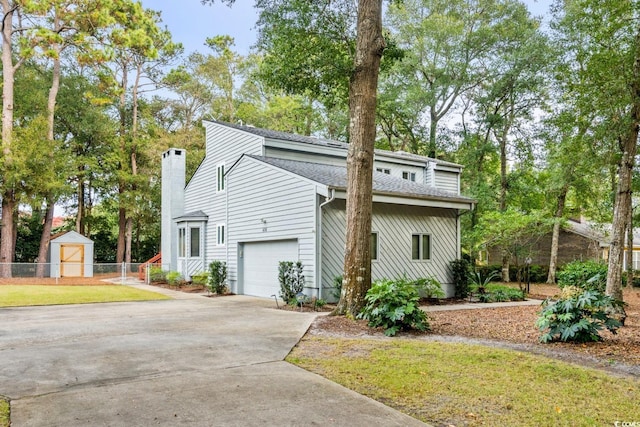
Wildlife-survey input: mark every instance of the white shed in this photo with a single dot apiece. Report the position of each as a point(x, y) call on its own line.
point(71, 255)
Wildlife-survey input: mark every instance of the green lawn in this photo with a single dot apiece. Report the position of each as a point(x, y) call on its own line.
point(4, 413)
point(25, 295)
point(459, 384)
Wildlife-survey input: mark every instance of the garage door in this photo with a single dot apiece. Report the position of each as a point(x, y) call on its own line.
point(261, 265)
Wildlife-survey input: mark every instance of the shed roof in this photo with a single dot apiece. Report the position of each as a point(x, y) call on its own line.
point(336, 177)
point(70, 237)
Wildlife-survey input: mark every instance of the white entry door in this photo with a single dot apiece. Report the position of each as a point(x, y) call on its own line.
point(260, 265)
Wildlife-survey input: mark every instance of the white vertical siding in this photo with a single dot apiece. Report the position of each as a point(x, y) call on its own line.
point(395, 225)
point(269, 204)
point(223, 145)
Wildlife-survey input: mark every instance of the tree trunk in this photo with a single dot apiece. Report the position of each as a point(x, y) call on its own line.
point(555, 236)
point(8, 201)
point(51, 110)
point(630, 244)
point(45, 238)
point(628, 146)
point(362, 131)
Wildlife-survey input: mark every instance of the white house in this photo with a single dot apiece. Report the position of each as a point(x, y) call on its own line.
point(260, 197)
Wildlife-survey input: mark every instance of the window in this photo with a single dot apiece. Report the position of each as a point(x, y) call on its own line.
point(410, 176)
point(220, 179)
point(374, 246)
point(420, 246)
point(384, 170)
point(220, 235)
point(182, 242)
point(194, 246)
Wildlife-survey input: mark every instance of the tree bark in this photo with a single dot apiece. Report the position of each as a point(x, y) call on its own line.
point(629, 244)
point(628, 146)
point(8, 194)
point(555, 236)
point(362, 131)
point(46, 238)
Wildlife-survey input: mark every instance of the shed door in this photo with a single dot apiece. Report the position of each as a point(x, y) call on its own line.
point(260, 265)
point(71, 260)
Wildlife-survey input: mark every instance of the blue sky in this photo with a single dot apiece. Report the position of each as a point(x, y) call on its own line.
point(191, 23)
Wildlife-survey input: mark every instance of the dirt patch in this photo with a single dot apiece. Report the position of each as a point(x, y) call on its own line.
point(513, 327)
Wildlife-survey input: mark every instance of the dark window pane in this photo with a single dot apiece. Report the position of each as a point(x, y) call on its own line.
point(426, 246)
point(195, 242)
point(415, 246)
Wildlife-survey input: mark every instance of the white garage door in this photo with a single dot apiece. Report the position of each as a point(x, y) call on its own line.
point(261, 265)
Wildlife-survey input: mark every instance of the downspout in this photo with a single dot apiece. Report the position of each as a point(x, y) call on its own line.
point(329, 199)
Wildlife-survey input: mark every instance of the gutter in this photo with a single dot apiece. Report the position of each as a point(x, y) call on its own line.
point(329, 199)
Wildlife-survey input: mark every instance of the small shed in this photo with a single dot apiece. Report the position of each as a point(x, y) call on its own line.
point(71, 255)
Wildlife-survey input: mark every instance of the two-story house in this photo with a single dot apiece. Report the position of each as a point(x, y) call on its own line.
point(260, 197)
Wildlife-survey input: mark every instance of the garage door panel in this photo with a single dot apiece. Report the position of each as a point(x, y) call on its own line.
point(261, 265)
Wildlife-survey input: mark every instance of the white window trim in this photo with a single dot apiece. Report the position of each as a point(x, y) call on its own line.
point(221, 184)
point(221, 235)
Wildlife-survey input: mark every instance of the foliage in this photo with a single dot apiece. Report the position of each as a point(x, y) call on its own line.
point(537, 273)
point(589, 275)
point(200, 278)
point(461, 271)
point(577, 316)
point(394, 305)
point(217, 277)
point(429, 287)
point(291, 278)
point(157, 274)
point(337, 287)
point(174, 278)
point(498, 293)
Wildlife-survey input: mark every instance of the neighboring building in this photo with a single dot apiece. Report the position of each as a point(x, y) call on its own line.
point(71, 255)
point(577, 241)
point(260, 197)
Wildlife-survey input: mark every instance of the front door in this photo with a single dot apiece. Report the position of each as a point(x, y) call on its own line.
point(71, 260)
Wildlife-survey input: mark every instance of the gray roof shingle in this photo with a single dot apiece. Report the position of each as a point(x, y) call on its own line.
point(336, 177)
point(284, 136)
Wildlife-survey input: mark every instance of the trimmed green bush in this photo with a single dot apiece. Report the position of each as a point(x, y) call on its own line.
point(217, 277)
point(157, 274)
point(174, 278)
point(394, 305)
point(461, 271)
point(590, 275)
point(577, 316)
point(200, 278)
point(291, 278)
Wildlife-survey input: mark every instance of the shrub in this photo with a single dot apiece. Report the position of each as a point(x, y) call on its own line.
point(537, 273)
point(336, 291)
point(461, 270)
point(590, 275)
point(394, 305)
point(174, 278)
point(291, 277)
point(577, 316)
point(200, 278)
point(157, 274)
point(217, 277)
point(429, 287)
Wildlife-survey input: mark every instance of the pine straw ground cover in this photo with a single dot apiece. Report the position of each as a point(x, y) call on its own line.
point(465, 372)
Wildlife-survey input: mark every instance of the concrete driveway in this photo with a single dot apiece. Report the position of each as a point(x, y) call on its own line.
point(189, 361)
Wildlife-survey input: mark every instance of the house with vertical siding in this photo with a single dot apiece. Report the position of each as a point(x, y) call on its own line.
point(260, 197)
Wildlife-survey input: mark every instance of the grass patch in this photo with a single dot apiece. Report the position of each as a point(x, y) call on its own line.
point(27, 295)
point(459, 384)
point(4, 412)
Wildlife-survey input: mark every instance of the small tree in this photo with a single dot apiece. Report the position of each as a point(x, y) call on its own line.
point(461, 270)
point(291, 277)
point(217, 277)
